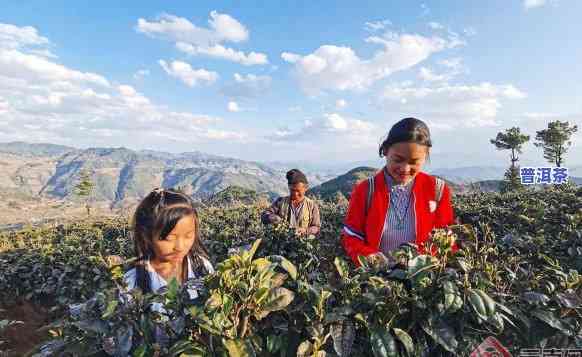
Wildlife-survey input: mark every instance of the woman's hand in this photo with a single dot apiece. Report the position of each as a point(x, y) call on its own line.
point(301, 231)
point(378, 259)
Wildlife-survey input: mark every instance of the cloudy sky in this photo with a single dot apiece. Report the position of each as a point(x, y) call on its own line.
point(296, 80)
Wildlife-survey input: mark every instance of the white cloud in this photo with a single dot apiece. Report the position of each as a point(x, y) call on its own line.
point(334, 122)
point(233, 107)
point(543, 116)
point(42, 53)
point(450, 106)
point(186, 74)
point(428, 75)
point(340, 68)
point(4, 106)
point(222, 28)
point(195, 40)
point(453, 63)
point(228, 28)
point(141, 74)
point(290, 57)
point(226, 135)
point(28, 67)
point(220, 51)
point(341, 103)
point(282, 133)
point(327, 136)
point(41, 100)
point(374, 26)
point(330, 126)
point(511, 92)
point(247, 86)
point(436, 26)
point(14, 37)
point(530, 4)
point(453, 67)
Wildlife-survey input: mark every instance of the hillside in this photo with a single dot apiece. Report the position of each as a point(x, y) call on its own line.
point(34, 150)
point(469, 174)
point(50, 171)
point(343, 183)
point(234, 196)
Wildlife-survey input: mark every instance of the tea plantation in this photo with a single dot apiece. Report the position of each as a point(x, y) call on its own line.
point(517, 277)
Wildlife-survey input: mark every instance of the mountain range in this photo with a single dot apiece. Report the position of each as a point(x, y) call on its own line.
point(122, 176)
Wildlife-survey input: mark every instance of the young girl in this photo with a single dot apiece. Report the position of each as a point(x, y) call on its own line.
point(400, 203)
point(167, 241)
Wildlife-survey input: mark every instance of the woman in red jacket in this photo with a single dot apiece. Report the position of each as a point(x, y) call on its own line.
point(399, 204)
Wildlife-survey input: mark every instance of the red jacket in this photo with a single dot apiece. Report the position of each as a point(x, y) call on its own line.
point(361, 235)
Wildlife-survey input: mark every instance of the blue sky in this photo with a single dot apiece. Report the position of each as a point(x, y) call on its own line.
point(288, 81)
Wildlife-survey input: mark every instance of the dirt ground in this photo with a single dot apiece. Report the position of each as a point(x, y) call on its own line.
point(22, 338)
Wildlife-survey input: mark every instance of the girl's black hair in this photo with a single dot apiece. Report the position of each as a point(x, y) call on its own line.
point(155, 217)
point(407, 130)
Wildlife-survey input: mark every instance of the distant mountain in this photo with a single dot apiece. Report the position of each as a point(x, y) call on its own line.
point(33, 150)
point(121, 174)
point(318, 173)
point(343, 183)
point(495, 185)
point(575, 171)
point(235, 195)
point(473, 174)
point(469, 174)
point(485, 186)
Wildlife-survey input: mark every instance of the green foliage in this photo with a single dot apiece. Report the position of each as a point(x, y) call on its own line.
point(84, 189)
point(511, 180)
point(234, 196)
point(512, 139)
point(555, 140)
point(517, 276)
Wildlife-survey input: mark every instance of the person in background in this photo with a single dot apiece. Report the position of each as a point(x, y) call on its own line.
point(400, 203)
point(299, 211)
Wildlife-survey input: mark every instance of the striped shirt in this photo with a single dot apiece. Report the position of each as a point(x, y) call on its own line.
point(400, 221)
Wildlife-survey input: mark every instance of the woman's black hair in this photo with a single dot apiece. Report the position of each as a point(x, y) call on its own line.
point(155, 217)
point(295, 176)
point(407, 130)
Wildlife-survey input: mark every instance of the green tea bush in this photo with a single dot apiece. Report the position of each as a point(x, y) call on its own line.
point(517, 276)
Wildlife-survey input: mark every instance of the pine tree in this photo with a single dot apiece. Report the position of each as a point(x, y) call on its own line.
point(511, 180)
point(555, 141)
point(84, 189)
point(512, 139)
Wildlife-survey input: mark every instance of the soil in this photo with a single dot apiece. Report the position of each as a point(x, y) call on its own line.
point(22, 338)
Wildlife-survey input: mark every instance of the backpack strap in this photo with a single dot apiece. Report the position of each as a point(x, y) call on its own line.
point(439, 186)
point(370, 194)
